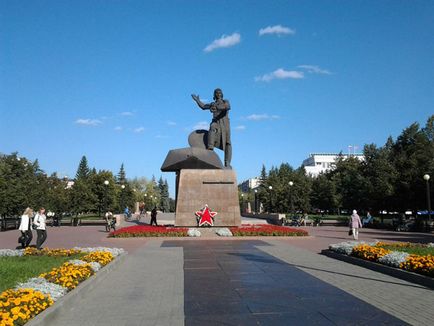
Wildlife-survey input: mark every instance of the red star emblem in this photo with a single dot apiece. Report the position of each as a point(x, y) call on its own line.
point(206, 216)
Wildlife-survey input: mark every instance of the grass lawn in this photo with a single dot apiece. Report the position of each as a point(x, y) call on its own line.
point(19, 269)
point(411, 249)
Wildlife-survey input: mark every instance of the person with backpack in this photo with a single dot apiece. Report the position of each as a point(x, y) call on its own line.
point(26, 228)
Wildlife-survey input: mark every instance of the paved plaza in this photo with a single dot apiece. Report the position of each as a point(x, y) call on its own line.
point(252, 281)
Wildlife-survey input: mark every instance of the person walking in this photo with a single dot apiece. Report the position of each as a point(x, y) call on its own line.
point(154, 216)
point(26, 228)
point(355, 224)
point(40, 222)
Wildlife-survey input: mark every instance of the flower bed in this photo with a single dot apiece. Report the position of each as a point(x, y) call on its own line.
point(378, 252)
point(149, 231)
point(30, 251)
point(372, 253)
point(69, 275)
point(18, 306)
point(30, 298)
point(266, 230)
point(243, 230)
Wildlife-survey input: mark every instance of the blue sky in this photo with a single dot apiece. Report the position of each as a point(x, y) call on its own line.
point(112, 79)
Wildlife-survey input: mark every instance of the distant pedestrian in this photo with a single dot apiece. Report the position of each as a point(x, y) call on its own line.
point(26, 228)
point(127, 214)
point(355, 224)
point(154, 216)
point(40, 222)
point(367, 220)
point(142, 208)
point(306, 219)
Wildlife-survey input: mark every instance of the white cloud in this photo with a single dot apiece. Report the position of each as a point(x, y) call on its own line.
point(118, 128)
point(224, 42)
point(159, 136)
point(88, 122)
point(240, 127)
point(139, 129)
point(171, 123)
point(315, 69)
point(277, 29)
point(280, 74)
point(127, 114)
point(260, 117)
point(201, 125)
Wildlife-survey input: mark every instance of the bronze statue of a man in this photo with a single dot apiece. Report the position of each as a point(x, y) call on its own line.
point(219, 134)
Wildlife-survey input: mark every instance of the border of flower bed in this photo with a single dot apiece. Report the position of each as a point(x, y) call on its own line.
point(395, 272)
point(50, 314)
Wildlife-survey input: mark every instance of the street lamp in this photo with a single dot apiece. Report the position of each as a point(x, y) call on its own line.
point(122, 197)
point(426, 177)
point(271, 198)
point(290, 197)
point(106, 183)
point(256, 201)
point(242, 203)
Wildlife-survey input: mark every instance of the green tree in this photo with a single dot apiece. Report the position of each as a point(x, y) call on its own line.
point(57, 196)
point(350, 183)
point(412, 157)
point(121, 177)
point(323, 195)
point(164, 195)
point(83, 169)
point(17, 182)
point(380, 177)
point(82, 199)
point(104, 192)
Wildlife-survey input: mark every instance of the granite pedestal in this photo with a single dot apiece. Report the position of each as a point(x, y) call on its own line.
point(213, 187)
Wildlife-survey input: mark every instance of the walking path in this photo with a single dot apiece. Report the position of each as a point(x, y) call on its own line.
point(268, 281)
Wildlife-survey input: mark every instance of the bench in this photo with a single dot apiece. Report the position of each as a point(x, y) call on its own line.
point(76, 221)
point(9, 223)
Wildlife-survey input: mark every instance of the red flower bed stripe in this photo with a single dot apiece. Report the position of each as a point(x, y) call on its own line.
point(244, 230)
point(149, 231)
point(266, 230)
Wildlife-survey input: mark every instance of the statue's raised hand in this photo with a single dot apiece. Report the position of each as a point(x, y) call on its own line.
point(195, 97)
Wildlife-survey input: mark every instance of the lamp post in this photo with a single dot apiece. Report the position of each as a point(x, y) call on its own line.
point(291, 203)
point(242, 203)
point(271, 198)
point(122, 197)
point(426, 177)
point(256, 201)
point(106, 183)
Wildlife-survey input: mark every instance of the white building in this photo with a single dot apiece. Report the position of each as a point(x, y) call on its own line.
point(250, 184)
point(322, 162)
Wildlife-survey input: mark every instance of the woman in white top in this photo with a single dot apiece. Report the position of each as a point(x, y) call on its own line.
point(26, 227)
point(39, 221)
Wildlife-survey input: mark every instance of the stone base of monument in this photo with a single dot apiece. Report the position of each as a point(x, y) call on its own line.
point(213, 187)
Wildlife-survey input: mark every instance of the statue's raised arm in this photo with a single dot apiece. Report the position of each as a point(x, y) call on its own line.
point(202, 105)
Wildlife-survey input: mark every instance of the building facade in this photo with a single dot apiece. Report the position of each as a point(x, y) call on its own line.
point(317, 163)
point(250, 184)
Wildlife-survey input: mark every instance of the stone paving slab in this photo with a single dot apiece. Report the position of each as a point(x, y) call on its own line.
point(407, 301)
point(147, 289)
point(158, 273)
point(238, 283)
